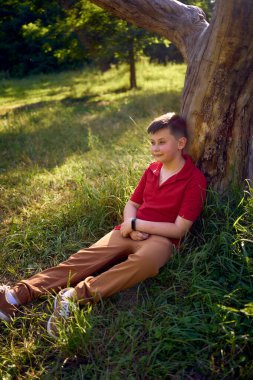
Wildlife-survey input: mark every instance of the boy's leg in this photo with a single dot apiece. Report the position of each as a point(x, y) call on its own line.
point(80, 265)
point(144, 262)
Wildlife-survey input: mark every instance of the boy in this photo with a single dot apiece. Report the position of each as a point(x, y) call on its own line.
point(167, 200)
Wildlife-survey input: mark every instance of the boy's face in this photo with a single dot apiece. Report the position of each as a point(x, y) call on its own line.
point(165, 147)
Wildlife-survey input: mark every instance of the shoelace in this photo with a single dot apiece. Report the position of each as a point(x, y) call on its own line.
point(64, 309)
point(4, 288)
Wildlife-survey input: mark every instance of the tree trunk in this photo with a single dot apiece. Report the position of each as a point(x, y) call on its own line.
point(218, 91)
point(131, 60)
point(218, 94)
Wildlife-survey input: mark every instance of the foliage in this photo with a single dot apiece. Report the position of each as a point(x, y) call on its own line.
point(72, 147)
point(39, 36)
point(34, 38)
point(205, 5)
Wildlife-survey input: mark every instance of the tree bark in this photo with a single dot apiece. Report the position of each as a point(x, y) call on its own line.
point(218, 94)
point(218, 91)
point(178, 22)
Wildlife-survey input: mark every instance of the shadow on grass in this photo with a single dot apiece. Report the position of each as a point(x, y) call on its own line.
point(47, 147)
point(122, 90)
point(34, 106)
point(45, 84)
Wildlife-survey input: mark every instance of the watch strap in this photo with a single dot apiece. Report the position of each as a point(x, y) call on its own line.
point(133, 224)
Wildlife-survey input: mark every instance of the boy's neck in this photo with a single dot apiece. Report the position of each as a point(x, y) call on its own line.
point(174, 165)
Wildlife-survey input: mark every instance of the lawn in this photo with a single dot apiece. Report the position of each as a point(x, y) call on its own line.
point(72, 148)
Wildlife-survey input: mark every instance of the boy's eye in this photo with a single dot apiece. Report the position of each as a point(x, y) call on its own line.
point(159, 142)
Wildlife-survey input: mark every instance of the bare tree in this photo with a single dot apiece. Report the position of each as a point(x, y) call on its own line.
point(218, 90)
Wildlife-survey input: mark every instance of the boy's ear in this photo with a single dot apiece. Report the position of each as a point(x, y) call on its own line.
point(181, 143)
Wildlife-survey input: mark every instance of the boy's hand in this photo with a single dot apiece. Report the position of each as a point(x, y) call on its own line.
point(137, 235)
point(126, 230)
point(126, 227)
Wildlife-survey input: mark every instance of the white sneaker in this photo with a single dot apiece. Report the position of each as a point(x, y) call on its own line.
point(8, 304)
point(64, 306)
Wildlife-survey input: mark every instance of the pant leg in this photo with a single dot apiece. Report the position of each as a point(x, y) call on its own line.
point(146, 260)
point(80, 265)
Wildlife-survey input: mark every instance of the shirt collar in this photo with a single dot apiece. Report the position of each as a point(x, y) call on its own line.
point(184, 173)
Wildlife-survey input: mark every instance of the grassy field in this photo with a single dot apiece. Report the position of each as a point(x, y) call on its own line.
point(72, 147)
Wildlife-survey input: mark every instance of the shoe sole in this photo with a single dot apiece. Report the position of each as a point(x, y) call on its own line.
point(49, 330)
point(4, 317)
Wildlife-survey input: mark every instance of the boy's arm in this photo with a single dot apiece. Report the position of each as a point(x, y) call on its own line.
point(130, 211)
point(171, 230)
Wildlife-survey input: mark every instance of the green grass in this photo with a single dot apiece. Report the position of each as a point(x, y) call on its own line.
point(72, 147)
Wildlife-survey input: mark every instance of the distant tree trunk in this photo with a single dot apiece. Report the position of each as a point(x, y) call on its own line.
point(131, 60)
point(218, 92)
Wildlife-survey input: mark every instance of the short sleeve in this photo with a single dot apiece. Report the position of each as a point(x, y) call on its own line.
point(194, 198)
point(137, 195)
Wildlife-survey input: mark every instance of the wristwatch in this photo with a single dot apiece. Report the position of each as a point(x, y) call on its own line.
point(133, 224)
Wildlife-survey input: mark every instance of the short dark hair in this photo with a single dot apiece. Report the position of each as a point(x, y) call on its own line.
point(175, 123)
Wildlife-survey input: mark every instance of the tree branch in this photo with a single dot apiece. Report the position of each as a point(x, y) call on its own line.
point(181, 24)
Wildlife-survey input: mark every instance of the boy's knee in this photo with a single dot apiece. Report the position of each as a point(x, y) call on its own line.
point(146, 264)
point(153, 255)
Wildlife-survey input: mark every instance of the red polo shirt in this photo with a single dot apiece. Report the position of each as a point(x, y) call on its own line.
point(182, 194)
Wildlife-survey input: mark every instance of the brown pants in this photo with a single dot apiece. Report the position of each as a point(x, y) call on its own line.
point(141, 259)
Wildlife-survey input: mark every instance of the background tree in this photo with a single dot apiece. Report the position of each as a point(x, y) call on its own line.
point(43, 36)
point(35, 37)
point(107, 40)
point(217, 95)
